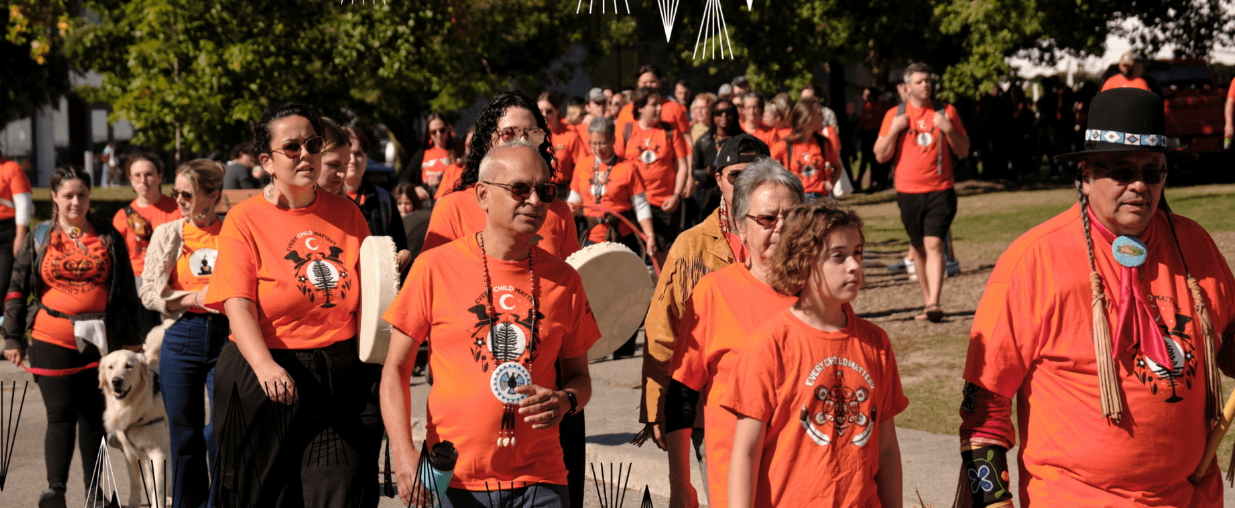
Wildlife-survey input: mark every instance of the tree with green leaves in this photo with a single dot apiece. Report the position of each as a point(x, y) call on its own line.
point(198, 73)
point(32, 69)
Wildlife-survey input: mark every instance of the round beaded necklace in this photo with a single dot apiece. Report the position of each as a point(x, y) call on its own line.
point(508, 375)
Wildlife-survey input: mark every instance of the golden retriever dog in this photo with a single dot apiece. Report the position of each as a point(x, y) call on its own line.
point(136, 417)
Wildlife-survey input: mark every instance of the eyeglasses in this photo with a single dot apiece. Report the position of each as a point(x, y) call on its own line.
point(768, 221)
point(1126, 175)
point(176, 194)
point(733, 179)
point(521, 190)
point(291, 149)
point(534, 135)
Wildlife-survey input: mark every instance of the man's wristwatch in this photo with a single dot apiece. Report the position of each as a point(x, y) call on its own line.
point(574, 403)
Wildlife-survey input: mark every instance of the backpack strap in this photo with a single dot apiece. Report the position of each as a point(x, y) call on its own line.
point(41, 234)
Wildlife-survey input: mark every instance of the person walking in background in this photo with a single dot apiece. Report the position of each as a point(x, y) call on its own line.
point(806, 153)
point(376, 203)
point(430, 164)
point(658, 150)
point(336, 155)
point(16, 206)
point(111, 167)
point(869, 119)
point(567, 145)
point(242, 169)
point(137, 220)
point(180, 262)
point(701, 116)
point(606, 180)
point(752, 118)
point(100, 298)
point(920, 138)
point(724, 119)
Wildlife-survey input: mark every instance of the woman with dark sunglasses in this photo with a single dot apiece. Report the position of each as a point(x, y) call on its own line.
point(181, 259)
point(507, 117)
point(724, 125)
point(288, 395)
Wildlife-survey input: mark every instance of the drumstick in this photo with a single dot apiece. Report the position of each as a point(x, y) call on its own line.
point(1215, 440)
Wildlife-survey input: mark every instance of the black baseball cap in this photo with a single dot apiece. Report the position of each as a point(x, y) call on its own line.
point(739, 149)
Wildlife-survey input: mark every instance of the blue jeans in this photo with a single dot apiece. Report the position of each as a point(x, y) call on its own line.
point(186, 373)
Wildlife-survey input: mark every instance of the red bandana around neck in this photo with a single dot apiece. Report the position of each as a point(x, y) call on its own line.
point(1136, 324)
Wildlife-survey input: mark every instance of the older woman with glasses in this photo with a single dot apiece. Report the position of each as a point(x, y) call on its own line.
point(722, 311)
point(288, 395)
point(179, 265)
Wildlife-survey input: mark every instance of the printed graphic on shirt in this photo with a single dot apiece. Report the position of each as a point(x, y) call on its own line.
point(649, 151)
point(510, 335)
point(1165, 380)
point(201, 262)
point(320, 274)
point(842, 404)
point(810, 163)
point(77, 271)
point(599, 184)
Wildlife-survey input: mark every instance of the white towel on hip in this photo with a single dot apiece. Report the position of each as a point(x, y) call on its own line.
point(90, 331)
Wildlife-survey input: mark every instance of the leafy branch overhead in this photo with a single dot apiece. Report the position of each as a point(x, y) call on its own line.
point(214, 67)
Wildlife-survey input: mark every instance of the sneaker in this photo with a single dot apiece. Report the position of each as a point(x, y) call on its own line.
point(53, 497)
point(902, 266)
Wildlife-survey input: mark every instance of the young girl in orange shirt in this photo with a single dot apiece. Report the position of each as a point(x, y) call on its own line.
point(816, 389)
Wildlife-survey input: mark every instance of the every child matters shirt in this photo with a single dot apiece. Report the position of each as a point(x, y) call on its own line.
point(823, 396)
point(299, 265)
point(443, 301)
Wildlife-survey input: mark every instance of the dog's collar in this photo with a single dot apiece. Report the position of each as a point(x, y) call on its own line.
point(143, 424)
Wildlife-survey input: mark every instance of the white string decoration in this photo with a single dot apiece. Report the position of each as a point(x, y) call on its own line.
point(714, 25)
point(602, 6)
point(668, 15)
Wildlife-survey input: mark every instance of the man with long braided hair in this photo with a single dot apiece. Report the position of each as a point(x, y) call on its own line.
point(1105, 323)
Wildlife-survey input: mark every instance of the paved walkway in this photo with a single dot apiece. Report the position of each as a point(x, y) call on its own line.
point(930, 461)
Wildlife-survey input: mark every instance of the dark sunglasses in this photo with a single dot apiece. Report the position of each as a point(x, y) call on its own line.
point(534, 135)
point(521, 190)
point(188, 196)
point(291, 149)
point(437, 131)
point(726, 111)
point(768, 221)
point(1126, 176)
point(733, 177)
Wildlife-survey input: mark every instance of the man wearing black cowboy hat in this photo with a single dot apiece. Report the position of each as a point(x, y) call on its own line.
point(1113, 405)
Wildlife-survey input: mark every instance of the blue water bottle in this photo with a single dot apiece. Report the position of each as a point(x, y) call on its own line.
point(441, 466)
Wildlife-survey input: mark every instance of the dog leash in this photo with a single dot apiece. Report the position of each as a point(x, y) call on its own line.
point(59, 372)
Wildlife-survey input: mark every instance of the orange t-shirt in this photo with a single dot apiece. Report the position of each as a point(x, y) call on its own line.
point(617, 185)
point(1230, 92)
point(567, 147)
point(444, 302)
point(435, 163)
point(13, 181)
point(162, 211)
point(449, 178)
point(1031, 339)
point(917, 159)
point(1119, 81)
point(75, 282)
point(196, 261)
point(823, 396)
point(764, 133)
point(670, 112)
point(722, 311)
point(299, 265)
point(808, 162)
point(458, 214)
point(656, 157)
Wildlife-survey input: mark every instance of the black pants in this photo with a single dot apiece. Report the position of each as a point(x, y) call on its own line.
point(309, 453)
point(8, 232)
point(74, 407)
